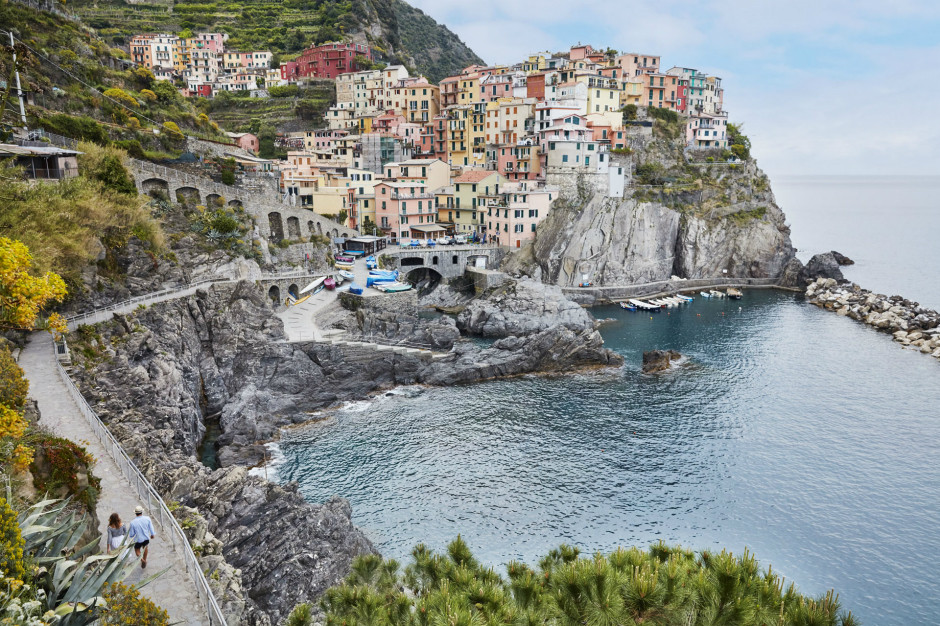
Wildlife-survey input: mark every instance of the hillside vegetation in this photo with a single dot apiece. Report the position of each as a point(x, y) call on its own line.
point(83, 89)
point(71, 223)
point(398, 32)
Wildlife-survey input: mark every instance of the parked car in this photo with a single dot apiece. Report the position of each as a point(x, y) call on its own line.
point(443, 241)
point(460, 239)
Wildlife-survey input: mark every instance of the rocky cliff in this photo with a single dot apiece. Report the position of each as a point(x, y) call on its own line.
point(159, 375)
point(681, 216)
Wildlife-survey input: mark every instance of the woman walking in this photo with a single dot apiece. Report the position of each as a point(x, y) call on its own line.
point(116, 532)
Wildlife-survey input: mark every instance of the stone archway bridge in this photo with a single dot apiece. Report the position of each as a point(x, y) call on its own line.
point(447, 261)
point(276, 220)
point(281, 283)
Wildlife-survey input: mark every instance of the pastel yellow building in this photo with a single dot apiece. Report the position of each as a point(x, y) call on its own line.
point(466, 136)
point(506, 119)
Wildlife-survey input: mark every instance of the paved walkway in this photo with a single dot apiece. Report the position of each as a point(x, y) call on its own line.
point(173, 590)
point(300, 319)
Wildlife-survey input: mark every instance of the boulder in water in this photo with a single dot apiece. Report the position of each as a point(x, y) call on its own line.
point(841, 259)
point(659, 360)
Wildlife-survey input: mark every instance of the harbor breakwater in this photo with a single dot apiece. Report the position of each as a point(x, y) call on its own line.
point(911, 324)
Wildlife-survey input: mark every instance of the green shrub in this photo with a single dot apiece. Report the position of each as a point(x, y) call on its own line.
point(57, 466)
point(629, 112)
point(106, 166)
point(131, 146)
point(739, 142)
point(76, 127)
point(284, 91)
point(651, 173)
point(666, 115)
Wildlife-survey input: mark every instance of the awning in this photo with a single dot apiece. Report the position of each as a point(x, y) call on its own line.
point(428, 228)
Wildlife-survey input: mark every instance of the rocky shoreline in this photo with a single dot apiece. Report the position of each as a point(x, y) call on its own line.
point(911, 324)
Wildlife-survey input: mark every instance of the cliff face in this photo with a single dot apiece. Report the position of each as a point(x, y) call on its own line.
point(716, 217)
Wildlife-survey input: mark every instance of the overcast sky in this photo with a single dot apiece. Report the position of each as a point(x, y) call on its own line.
point(822, 86)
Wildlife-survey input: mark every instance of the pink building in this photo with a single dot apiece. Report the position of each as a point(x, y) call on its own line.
point(214, 42)
point(401, 204)
point(512, 216)
point(496, 86)
point(245, 141)
point(519, 162)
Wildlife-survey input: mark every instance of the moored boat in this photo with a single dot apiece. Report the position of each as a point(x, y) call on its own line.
point(734, 294)
point(355, 288)
point(392, 287)
point(645, 306)
point(371, 263)
point(717, 294)
point(330, 283)
point(314, 286)
point(705, 294)
point(628, 306)
point(684, 297)
point(345, 258)
point(346, 275)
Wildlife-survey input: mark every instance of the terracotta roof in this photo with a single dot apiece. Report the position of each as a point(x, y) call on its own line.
point(473, 176)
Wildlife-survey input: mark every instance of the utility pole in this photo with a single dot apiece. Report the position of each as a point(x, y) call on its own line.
point(19, 89)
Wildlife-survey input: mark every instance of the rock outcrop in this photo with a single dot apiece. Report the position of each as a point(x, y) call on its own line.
point(522, 307)
point(699, 231)
point(910, 324)
point(659, 360)
point(824, 265)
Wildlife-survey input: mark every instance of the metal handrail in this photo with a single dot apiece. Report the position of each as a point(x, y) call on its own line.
point(154, 502)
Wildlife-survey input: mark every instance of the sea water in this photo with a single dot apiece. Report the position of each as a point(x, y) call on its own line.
point(806, 437)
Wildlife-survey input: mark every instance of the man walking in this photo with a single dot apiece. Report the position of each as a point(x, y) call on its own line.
point(140, 533)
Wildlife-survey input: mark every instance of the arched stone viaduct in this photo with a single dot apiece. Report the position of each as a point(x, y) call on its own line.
point(277, 221)
point(448, 261)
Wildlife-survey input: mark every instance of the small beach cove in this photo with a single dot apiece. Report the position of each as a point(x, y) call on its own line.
point(782, 433)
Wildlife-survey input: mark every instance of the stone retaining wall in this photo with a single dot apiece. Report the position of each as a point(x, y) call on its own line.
point(591, 296)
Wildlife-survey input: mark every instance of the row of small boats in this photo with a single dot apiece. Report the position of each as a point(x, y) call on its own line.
point(657, 304)
point(731, 292)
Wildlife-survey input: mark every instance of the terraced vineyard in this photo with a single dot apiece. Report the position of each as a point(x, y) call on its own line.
point(305, 111)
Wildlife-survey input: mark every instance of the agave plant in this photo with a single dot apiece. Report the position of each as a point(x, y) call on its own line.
point(73, 579)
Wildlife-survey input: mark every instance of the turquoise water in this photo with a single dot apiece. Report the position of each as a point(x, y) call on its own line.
point(804, 436)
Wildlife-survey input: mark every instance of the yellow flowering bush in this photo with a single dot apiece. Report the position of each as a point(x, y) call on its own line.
point(13, 384)
point(11, 543)
point(24, 296)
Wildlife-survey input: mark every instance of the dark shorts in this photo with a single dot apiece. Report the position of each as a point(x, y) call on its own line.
point(141, 545)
